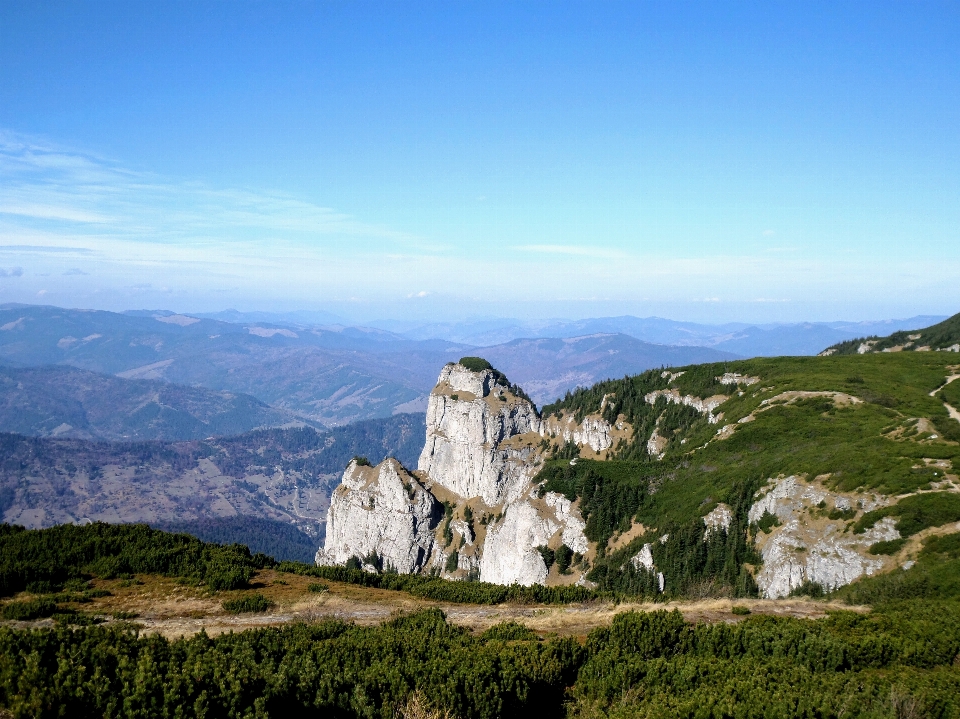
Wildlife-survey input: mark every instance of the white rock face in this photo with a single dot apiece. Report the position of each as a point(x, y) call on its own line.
point(594, 431)
point(737, 379)
point(509, 554)
point(384, 510)
point(719, 518)
point(482, 443)
point(644, 560)
point(462, 452)
point(805, 548)
point(704, 406)
point(573, 525)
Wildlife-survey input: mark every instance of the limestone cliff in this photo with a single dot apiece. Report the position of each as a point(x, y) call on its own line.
point(470, 417)
point(811, 541)
point(381, 511)
point(470, 509)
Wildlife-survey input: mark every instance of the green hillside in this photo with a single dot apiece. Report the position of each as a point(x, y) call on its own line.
point(942, 336)
point(865, 425)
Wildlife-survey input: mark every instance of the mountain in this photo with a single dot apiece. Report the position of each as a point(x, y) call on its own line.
point(304, 318)
point(769, 477)
point(283, 475)
point(334, 375)
point(331, 375)
point(943, 336)
point(547, 368)
point(63, 401)
point(743, 339)
point(328, 375)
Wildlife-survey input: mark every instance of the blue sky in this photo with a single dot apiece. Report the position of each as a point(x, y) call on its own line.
point(716, 161)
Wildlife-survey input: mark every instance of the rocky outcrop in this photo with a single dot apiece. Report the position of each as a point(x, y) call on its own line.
point(703, 406)
point(483, 449)
point(469, 417)
point(719, 518)
point(510, 553)
point(644, 560)
point(572, 533)
point(808, 546)
point(381, 510)
point(594, 431)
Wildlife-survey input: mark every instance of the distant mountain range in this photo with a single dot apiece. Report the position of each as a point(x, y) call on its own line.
point(58, 401)
point(330, 374)
point(283, 475)
point(764, 340)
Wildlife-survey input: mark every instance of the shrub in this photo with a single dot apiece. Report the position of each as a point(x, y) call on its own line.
point(318, 587)
point(31, 609)
point(475, 364)
point(889, 547)
point(814, 590)
point(70, 552)
point(509, 632)
point(549, 556)
point(767, 522)
point(249, 603)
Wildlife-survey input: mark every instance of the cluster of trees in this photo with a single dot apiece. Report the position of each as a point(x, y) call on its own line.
point(901, 658)
point(899, 661)
point(272, 537)
point(610, 493)
point(696, 561)
point(52, 557)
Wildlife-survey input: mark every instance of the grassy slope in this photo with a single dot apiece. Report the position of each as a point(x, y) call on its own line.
point(943, 334)
point(874, 444)
point(813, 436)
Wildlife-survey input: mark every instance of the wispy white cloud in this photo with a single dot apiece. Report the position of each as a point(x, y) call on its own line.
point(572, 250)
point(50, 212)
point(82, 195)
point(43, 249)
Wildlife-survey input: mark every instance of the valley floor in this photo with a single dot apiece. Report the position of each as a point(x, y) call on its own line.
point(163, 606)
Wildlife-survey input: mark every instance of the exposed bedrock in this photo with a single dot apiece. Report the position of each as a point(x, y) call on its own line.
point(482, 450)
point(808, 546)
point(469, 417)
point(382, 510)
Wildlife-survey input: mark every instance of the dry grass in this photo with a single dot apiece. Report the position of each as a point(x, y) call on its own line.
point(417, 708)
point(165, 607)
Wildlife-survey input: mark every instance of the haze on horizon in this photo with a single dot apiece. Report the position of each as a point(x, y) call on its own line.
point(699, 161)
